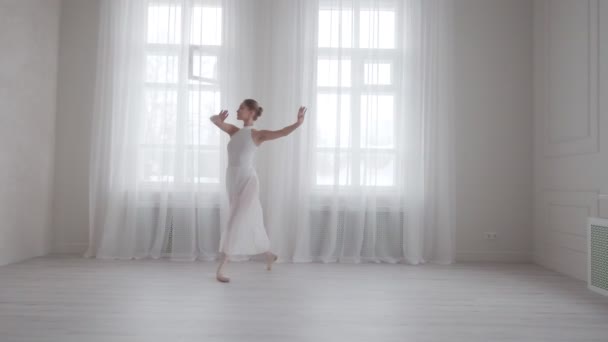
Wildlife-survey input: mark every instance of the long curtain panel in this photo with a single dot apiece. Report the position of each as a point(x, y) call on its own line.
point(366, 178)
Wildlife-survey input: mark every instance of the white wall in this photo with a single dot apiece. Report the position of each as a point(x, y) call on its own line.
point(76, 82)
point(493, 63)
point(28, 71)
point(571, 121)
point(494, 136)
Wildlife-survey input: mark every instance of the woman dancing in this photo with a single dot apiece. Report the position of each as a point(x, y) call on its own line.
point(245, 234)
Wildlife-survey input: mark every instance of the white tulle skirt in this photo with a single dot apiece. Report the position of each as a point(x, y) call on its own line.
point(244, 233)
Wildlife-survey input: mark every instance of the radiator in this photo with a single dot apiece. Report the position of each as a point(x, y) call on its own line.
point(597, 250)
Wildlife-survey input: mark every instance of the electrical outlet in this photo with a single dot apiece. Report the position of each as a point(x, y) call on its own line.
point(491, 235)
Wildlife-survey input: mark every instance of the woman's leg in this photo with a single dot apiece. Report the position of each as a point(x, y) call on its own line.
point(219, 275)
point(270, 259)
point(226, 237)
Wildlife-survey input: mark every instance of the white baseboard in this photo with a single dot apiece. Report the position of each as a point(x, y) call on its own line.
point(18, 259)
point(509, 257)
point(70, 248)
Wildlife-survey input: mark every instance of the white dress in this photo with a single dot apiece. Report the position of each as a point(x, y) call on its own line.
point(244, 233)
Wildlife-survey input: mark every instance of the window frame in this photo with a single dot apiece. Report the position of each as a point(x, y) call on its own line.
point(358, 58)
point(185, 84)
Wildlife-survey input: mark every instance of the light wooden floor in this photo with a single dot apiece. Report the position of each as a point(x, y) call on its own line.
point(71, 299)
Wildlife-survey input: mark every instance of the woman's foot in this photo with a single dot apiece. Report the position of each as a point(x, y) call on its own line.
point(219, 274)
point(270, 259)
point(222, 278)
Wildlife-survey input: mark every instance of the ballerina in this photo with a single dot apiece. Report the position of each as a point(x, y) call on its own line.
point(245, 234)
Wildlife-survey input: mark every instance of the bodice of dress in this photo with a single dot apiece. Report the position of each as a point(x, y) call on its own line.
point(241, 149)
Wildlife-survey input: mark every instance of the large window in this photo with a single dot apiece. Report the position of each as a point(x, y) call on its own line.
point(182, 90)
point(358, 60)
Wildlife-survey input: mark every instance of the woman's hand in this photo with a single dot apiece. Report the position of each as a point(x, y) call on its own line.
point(221, 117)
point(301, 114)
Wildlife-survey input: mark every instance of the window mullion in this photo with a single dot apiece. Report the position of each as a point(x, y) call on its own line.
point(357, 84)
point(182, 96)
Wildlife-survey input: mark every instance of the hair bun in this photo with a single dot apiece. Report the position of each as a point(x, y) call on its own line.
point(260, 110)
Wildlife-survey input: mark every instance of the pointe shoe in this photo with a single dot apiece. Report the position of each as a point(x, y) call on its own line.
point(222, 278)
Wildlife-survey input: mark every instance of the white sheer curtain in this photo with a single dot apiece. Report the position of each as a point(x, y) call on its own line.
point(366, 178)
point(157, 162)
